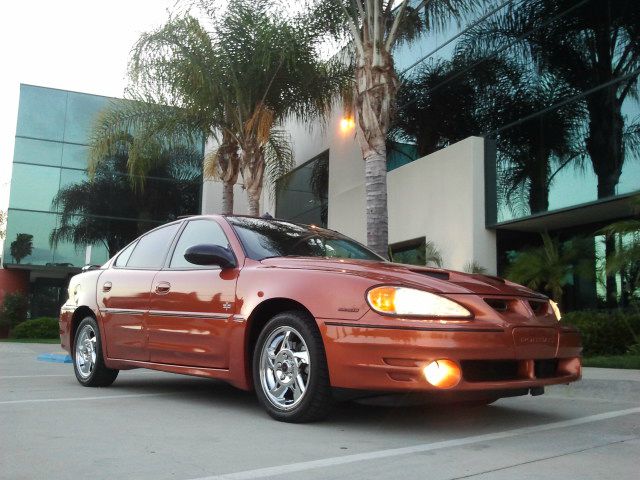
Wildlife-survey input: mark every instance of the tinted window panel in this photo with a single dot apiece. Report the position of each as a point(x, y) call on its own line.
point(152, 248)
point(27, 150)
point(195, 233)
point(123, 258)
point(33, 187)
point(274, 238)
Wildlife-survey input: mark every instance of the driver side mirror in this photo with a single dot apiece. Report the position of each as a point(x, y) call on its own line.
point(206, 254)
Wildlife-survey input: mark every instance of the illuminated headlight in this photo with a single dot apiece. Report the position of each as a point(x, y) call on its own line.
point(411, 302)
point(556, 309)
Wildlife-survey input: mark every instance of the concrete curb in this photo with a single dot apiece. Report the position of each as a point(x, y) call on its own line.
point(54, 358)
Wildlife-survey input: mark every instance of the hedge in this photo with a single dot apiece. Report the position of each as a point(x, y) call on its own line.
point(37, 328)
point(605, 332)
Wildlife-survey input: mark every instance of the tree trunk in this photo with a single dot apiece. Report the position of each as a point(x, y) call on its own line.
point(539, 185)
point(253, 174)
point(375, 177)
point(605, 147)
point(227, 197)
point(229, 167)
point(254, 203)
point(376, 88)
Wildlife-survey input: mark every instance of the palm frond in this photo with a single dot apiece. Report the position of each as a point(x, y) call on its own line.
point(279, 158)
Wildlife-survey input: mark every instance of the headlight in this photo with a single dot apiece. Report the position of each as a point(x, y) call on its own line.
point(556, 309)
point(411, 302)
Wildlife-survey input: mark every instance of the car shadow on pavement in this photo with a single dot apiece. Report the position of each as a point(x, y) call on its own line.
point(505, 414)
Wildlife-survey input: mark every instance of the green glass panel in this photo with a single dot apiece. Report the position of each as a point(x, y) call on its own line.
point(75, 156)
point(41, 113)
point(27, 150)
point(33, 187)
point(72, 177)
point(302, 193)
point(81, 113)
point(37, 224)
point(67, 255)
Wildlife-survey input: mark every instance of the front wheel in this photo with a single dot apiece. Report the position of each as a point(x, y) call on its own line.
point(290, 372)
point(88, 362)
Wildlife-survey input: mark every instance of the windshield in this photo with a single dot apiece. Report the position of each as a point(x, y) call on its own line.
point(274, 238)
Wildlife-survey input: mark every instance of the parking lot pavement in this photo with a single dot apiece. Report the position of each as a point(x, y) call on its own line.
point(152, 425)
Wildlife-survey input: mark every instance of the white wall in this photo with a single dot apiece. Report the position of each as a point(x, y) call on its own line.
point(439, 197)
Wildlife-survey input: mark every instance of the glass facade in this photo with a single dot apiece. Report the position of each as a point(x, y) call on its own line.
point(552, 85)
point(59, 210)
point(302, 194)
point(528, 75)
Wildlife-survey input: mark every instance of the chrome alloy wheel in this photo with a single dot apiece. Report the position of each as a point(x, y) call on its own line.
point(285, 368)
point(86, 351)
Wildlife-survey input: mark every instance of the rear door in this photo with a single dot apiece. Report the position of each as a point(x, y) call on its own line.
point(123, 293)
point(192, 306)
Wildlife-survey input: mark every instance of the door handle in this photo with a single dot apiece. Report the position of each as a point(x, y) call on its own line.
point(163, 288)
point(106, 287)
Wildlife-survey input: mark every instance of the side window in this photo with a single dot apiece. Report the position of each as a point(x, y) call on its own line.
point(152, 248)
point(123, 258)
point(197, 232)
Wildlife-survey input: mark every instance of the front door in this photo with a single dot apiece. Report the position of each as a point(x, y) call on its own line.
point(191, 306)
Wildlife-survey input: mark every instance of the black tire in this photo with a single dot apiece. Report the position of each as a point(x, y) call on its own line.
point(316, 400)
point(94, 373)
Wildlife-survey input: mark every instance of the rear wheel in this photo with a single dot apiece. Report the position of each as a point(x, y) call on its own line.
point(290, 372)
point(88, 362)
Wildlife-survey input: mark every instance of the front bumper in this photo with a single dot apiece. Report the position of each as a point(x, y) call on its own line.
point(390, 357)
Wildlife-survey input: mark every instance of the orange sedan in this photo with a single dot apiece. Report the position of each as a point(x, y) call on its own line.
point(301, 314)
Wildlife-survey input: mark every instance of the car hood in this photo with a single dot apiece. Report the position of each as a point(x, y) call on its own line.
point(431, 279)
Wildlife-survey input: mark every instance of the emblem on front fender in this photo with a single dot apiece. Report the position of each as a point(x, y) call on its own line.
point(227, 305)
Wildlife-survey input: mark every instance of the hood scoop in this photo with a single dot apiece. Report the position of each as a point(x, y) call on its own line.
point(439, 274)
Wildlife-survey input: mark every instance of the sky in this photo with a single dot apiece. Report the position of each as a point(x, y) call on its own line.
point(80, 45)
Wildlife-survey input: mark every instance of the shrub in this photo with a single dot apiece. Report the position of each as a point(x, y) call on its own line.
point(14, 309)
point(605, 333)
point(43, 327)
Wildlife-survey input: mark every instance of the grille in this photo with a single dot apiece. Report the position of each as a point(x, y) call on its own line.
point(546, 368)
point(489, 370)
point(497, 304)
point(539, 308)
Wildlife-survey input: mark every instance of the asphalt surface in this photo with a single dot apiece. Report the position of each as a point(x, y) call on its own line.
point(152, 425)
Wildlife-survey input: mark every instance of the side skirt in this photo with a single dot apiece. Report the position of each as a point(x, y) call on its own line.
point(123, 364)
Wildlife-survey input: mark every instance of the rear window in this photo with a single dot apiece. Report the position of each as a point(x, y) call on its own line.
point(152, 248)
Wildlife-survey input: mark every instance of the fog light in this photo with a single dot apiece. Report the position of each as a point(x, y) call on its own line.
point(442, 373)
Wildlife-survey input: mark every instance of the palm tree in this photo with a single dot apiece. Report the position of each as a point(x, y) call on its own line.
point(551, 266)
point(425, 102)
point(533, 152)
point(109, 210)
point(593, 47)
point(475, 267)
point(625, 261)
point(238, 81)
point(373, 28)
point(21, 247)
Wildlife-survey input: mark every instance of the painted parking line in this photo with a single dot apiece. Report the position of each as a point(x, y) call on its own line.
point(83, 399)
point(425, 447)
point(54, 358)
point(36, 376)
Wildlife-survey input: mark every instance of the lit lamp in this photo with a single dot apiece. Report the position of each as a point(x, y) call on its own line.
point(346, 124)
